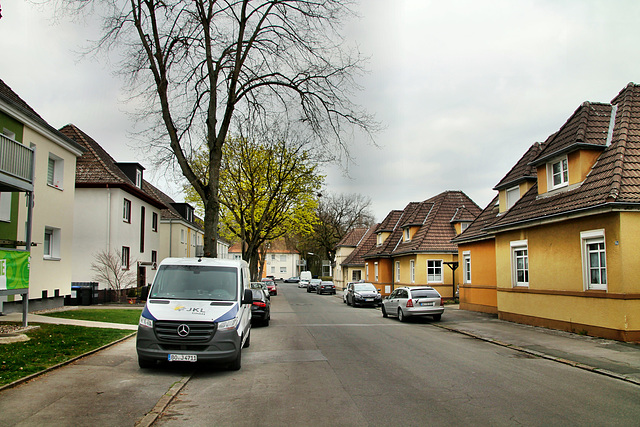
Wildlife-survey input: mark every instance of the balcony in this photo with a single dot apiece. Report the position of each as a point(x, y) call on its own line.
point(16, 165)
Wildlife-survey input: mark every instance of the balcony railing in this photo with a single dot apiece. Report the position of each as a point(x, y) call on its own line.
point(16, 165)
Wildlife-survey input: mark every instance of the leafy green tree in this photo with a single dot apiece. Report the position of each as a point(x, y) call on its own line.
point(267, 191)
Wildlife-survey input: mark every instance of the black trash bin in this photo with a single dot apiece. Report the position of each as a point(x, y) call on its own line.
point(85, 292)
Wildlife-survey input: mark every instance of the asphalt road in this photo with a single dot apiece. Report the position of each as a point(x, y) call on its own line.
point(321, 362)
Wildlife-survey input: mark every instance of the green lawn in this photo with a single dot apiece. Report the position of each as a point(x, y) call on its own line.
point(111, 315)
point(50, 345)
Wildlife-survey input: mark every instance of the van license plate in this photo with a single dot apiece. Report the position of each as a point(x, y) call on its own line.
point(183, 358)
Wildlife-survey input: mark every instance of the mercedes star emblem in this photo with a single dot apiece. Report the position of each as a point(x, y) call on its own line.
point(183, 330)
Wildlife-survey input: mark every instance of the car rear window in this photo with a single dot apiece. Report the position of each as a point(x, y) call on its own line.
point(424, 293)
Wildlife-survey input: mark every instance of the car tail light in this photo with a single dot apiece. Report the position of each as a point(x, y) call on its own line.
point(259, 304)
point(441, 302)
point(410, 303)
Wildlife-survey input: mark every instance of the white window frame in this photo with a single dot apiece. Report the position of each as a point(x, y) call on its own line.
point(466, 267)
point(517, 246)
point(512, 195)
point(407, 234)
point(563, 174)
point(182, 235)
point(366, 271)
point(138, 178)
point(5, 206)
point(51, 245)
point(588, 238)
point(154, 222)
point(283, 257)
point(375, 271)
point(412, 271)
point(283, 270)
point(435, 278)
point(397, 271)
point(379, 239)
point(55, 171)
point(126, 210)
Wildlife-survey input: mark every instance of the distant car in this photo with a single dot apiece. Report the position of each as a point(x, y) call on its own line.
point(363, 294)
point(326, 287)
point(271, 285)
point(413, 301)
point(260, 308)
point(303, 283)
point(345, 291)
point(272, 278)
point(294, 279)
point(261, 285)
point(313, 285)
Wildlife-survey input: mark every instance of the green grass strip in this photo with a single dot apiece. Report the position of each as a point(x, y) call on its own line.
point(50, 345)
point(111, 315)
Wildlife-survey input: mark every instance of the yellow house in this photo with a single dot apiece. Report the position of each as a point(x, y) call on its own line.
point(476, 246)
point(566, 252)
point(413, 246)
point(347, 271)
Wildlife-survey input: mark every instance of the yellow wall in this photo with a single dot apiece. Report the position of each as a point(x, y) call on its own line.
point(556, 287)
point(480, 294)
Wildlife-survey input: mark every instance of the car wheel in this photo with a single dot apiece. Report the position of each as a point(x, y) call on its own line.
point(265, 322)
point(384, 312)
point(145, 363)
point(247, 343)
point(236, 364)
point(353, 303)
point(401, 316)
point(437, 317)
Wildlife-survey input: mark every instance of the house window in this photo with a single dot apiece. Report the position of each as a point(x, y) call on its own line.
point(51, 246)
point(283, 258)
point(594, 259)
point(154, 222)
point(558, 173)
point(434, 271)
point(5, 207)
point(273, 269)
point(520, 263)
point(283, 270)
point(366, 271)
point(154, 257)
point(379, 239)
point(356, 275)
point(466, 267)
point(126, 211)
point(397, 271)
point(138, 178)
point(463, 226)
point(125, 257)
point(55, 169)
point(182, 235)
point(273, 257)
point(412, 271)
point(407, 234)
point(513, 194)
point(375, 271)
point(143, 215)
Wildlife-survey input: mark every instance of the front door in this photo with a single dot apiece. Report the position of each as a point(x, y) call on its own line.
point(142, 276)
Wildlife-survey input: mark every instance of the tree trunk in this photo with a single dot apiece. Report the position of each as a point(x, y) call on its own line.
point(211, 215)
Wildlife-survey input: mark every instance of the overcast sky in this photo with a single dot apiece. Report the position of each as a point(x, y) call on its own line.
point(463, 88)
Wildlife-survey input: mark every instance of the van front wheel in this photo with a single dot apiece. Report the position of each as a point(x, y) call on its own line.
point(145, 363)
point(236, 364)
point(247, 343)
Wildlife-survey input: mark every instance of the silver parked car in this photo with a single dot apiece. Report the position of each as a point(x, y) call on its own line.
point(413, 301)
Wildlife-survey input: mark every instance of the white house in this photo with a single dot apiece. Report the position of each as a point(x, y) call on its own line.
point(115, 212)
point(49, 160)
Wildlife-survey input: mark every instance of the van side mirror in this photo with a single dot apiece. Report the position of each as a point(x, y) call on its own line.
point(247, 297)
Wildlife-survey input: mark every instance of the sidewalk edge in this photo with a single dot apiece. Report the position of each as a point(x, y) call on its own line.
point(151, 417)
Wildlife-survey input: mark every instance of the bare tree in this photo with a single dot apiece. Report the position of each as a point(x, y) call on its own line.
point(203, 66)
point(108, 268)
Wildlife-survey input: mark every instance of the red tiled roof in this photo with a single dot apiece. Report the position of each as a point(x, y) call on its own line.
point(613, 180)
point(169, 212)
point(96, 168)
point(522, 170)
point(476, 231)
point(368, 241)
point(353, 237)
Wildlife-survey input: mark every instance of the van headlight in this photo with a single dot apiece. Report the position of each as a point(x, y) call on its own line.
point(144, 322)
point(228, 325)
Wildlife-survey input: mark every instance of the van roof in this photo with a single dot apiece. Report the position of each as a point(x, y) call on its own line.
point(211, 262)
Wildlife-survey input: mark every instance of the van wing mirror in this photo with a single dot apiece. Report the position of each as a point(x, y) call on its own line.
point(247, 297)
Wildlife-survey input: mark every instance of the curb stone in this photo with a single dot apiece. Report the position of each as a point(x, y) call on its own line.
point(152, 416)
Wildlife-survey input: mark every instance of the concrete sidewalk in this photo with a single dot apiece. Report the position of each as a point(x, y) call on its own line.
point(612, 358)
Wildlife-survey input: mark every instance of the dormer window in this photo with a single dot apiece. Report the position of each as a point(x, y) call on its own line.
point(379, 239)
point(513, 194)
point(558, 172)
point(407, 234)
point(138, 178)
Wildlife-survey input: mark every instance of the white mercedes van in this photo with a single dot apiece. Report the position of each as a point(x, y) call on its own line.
point(198, 310)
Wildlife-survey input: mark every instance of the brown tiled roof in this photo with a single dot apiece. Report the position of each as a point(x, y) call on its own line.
point(368, 241)
point(462, 214)
point(476, 231)
point(169, 212)
point(96, 168)
point(614, 179)
point(522, 170)
point(391, 224)
point(10, 97)
point(353, 237)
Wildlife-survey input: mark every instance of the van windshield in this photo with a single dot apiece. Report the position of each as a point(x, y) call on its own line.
point(196, 283)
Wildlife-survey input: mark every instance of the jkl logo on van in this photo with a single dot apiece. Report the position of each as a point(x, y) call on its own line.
point(193, 310)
